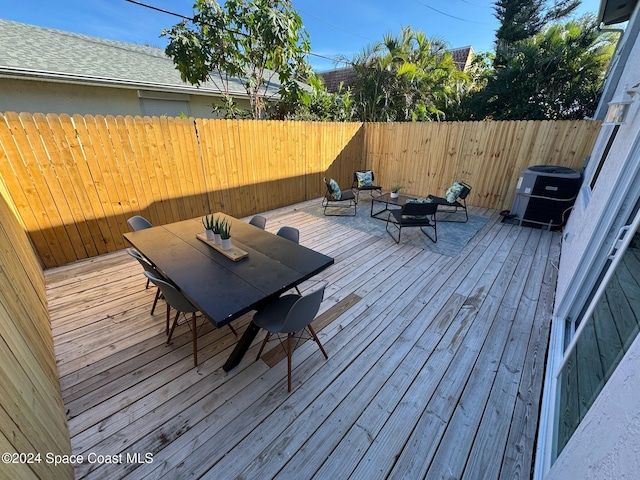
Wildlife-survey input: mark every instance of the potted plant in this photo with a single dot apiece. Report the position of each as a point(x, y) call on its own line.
point(209, 223)
point(225, 234)
point(394, 191)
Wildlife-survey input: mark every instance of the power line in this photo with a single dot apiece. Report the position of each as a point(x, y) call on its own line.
point(160, 10)
point(191, 19)
point(450, 16)
point(477, 6)
point(334, 26)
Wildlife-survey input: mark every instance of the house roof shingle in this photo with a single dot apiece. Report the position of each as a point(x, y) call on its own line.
point(45, 53)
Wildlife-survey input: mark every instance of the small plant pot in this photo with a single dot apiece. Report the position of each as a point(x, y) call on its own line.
point(226, 244)
point(394, 194)
point(216, 238)
point(209, 234)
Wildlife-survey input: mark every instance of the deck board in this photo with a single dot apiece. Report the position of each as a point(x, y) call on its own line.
point(435, 365)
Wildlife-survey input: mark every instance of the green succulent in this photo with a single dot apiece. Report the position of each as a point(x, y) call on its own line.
point(209, 222)
point(225, 229)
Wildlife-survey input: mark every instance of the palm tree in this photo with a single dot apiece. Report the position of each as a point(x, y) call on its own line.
point(408, 77)
point(556, 74)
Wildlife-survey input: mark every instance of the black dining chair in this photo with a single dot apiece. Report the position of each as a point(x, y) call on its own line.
point(138, 222)
point(293, 234)
point(291, 314)
point(175, 299)
point(258, 221)
point(290, 233)
point(148, 267)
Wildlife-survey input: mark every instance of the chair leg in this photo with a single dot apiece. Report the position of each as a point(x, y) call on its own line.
point(155, 301)
point(289, 353)
point(232, 329)
point(434, 239)
point(173, 327)
point(195, 340)
point(315, 337)
point(264, 342)
point(166, 329)
point(298, 290)
point(389, 232)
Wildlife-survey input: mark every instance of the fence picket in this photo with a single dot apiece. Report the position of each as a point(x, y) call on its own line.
point(75, 180)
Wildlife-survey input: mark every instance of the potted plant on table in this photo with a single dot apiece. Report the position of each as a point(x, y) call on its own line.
point(225, 234)
point(209, 223)
point(394, 191)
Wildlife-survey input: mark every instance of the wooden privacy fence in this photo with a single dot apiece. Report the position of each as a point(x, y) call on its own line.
point(425, 158)
point(75, 180)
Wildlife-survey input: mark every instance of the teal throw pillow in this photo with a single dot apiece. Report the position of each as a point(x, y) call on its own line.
point(417, 200)
point(365, 179)
point(336, 193)
point(453, 192)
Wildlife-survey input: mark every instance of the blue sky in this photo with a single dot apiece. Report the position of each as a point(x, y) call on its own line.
point(336, 28)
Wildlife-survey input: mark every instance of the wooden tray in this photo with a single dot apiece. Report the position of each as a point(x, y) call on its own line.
point(234, 253)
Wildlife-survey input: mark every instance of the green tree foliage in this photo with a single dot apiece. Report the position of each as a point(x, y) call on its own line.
point(317, 104)
point(259, 41)
point(405, 78)
point(522, 19)
point(556, 74)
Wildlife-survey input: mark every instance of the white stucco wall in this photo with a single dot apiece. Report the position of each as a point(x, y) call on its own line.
point(45, 97)
point(606, 445)
point(49, 97)
point(593, 208)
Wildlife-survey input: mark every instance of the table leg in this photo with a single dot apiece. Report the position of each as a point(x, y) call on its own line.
point(377, 214)
point(242, 346)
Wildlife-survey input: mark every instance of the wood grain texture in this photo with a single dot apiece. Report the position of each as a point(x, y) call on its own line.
point(32, 417)
point(434, 370)
point(76, 180)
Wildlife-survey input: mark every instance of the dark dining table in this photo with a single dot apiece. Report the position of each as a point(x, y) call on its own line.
point(222, 289)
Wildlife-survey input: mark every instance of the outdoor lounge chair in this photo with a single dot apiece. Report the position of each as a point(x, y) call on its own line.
point(455, 197)
point(363, 180)
point(337, 198)
point(290, 314)
point(414, 214)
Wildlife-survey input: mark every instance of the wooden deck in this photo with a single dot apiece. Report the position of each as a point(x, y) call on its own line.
point(435, 366)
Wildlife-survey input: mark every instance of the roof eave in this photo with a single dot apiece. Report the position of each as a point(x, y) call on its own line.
point(79, 79)
point(612, 12)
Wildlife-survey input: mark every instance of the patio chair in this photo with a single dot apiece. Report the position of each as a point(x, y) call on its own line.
point(148, 267)
point(363, 180)
point(291, 314)
point(138, 222)
point(292, 234)
point(175, 299)
point(414, 214)
point(258, 221)
point(336, 198)
point(289, 233)
point(455, 197)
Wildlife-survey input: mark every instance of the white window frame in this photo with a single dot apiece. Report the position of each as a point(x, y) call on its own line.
point(607, 244)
